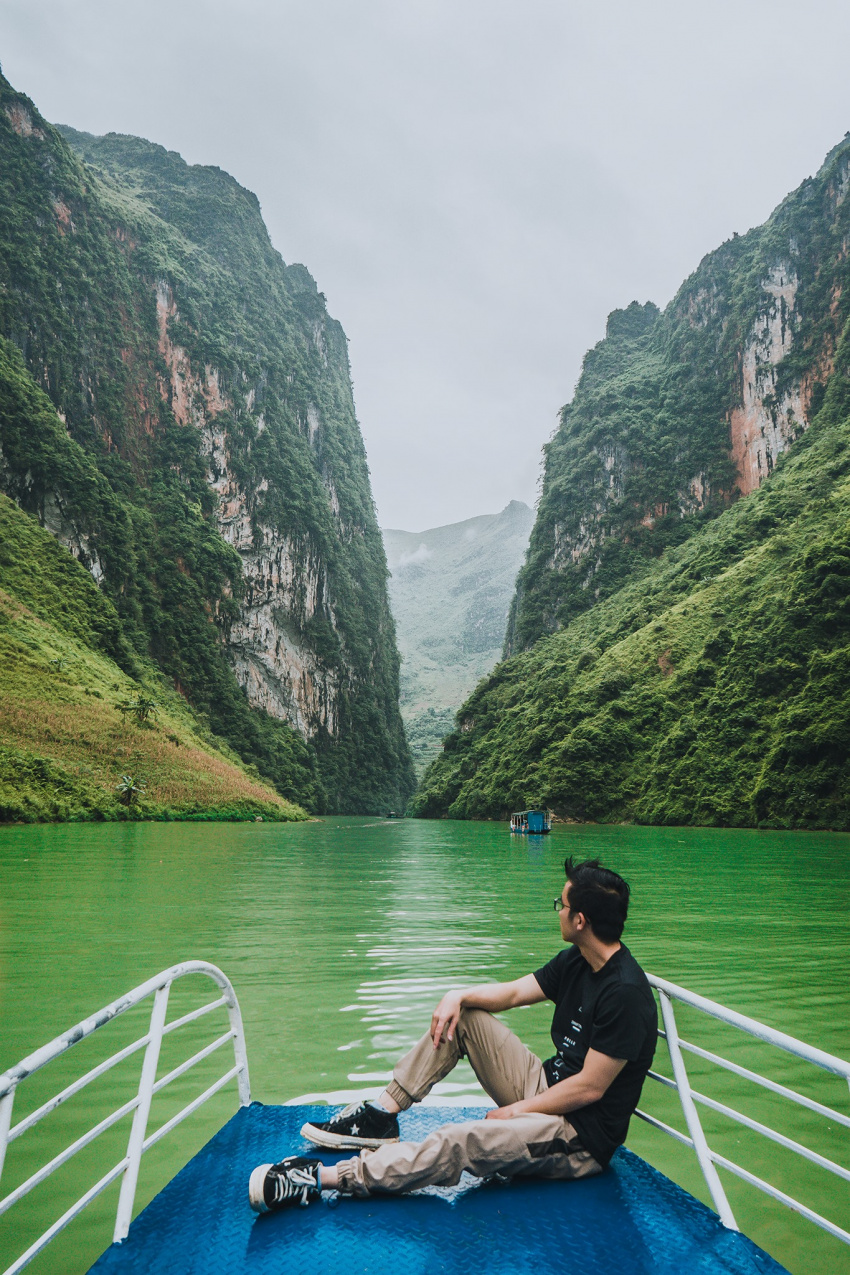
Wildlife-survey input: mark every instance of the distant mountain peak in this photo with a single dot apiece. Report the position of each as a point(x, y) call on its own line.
point(513, 509)
point(450, 590)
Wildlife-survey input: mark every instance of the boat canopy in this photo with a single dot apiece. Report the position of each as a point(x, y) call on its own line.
point(537, 819)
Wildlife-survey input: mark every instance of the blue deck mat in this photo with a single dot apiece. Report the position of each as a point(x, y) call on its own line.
point(629, 1221)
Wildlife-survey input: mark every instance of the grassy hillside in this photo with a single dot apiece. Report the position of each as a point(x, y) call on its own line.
point(64, 744)
point(160, 566)
point(715, 689)
point(425, 734)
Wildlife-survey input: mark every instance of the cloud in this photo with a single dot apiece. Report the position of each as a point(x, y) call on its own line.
point(422, 554)
point(474, 186)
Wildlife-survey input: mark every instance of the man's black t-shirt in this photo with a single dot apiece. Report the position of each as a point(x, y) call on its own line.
point(612, 1011)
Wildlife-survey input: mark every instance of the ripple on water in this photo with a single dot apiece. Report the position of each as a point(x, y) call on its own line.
point(341, 937)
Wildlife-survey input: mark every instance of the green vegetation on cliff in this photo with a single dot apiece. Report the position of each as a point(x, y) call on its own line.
point(162, 561)
point(700, 668)
point(642, 457)
point(714, 690)
point(65, 673)
point(176, 407)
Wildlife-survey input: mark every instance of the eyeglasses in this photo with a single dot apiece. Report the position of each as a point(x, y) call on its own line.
point(559, 904)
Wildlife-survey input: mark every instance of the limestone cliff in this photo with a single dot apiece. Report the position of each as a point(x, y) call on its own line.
point(678, 414)
point(205, 394)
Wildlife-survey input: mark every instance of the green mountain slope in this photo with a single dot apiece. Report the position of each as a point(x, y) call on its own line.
point(179, 414)
point(713, 685)
point(676, 414)
point(450, 590)
point(715, 690)
point(65, 668)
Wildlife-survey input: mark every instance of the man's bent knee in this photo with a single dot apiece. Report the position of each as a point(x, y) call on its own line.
point(480, 1021)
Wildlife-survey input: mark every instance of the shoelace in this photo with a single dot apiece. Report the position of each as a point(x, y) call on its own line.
point(353, 1109)
point(293, 1182)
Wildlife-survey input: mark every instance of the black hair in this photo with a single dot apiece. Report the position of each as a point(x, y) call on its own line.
point(601, 895)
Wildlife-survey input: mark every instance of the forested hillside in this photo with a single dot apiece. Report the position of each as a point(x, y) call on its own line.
point(692, 550)
point(176, 408)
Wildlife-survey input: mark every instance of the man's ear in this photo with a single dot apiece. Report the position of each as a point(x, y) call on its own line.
point(579, 920)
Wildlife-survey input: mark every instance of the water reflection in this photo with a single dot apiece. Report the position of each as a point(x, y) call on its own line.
point(394, 1013)
point(340, 937)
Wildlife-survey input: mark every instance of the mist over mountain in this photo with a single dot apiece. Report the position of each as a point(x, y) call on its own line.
point(450, 590)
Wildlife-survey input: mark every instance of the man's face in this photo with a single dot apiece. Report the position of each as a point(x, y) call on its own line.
point(569, 930)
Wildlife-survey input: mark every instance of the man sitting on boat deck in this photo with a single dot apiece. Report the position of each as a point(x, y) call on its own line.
point(562, 1118)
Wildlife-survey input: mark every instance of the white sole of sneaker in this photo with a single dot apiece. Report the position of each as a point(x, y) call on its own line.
point(341, 1141)
point(255, 1188)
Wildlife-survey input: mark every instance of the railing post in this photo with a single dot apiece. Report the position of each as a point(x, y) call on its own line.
point(240, 1049)
point(692, 1119)
point(5, 1124)
point(124, 1215)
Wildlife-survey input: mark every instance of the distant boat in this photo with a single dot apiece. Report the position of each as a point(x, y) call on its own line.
point(393, 814)
point(535, 821)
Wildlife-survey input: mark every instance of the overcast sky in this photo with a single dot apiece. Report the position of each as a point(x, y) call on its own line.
point(474, 184)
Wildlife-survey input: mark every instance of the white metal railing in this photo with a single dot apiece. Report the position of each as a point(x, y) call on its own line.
point(710, 1160)
point(139, 1141)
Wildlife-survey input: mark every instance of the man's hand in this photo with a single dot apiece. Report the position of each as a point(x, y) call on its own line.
point(586, 1086)
point(493, 997)
point(445, 1016)
point(506, 1113)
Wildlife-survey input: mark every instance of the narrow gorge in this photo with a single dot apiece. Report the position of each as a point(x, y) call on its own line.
point(450, 590)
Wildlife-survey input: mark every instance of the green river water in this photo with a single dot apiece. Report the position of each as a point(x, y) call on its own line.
point(340, 935)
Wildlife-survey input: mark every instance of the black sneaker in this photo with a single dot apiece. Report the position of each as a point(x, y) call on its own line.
point(359, 1125)
point(293, 1181)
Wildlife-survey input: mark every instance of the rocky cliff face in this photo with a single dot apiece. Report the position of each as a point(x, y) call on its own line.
point(284, 585)
point(685, 600)
point(676, 415)
point(205, 392)
point(767, 422)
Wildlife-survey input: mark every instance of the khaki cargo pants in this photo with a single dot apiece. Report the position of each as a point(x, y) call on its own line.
point(530, 1145)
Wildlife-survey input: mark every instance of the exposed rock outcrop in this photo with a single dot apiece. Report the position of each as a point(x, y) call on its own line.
point(769, 419)
point(678, 414)
point(211, 474)
point(284, 578)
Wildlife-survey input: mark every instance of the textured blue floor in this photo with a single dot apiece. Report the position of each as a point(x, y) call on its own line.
point(629, 1221)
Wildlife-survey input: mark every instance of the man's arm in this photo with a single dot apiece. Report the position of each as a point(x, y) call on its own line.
point(586, 1086)
point(492, 996)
